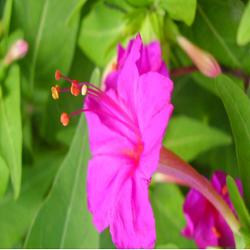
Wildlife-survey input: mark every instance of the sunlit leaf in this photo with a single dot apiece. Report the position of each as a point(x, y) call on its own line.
point(64, 221)
point(180, 10)
point(237, 106)
point(243, 34)
point(4, 176)
point(188, 137)
point(238, 203)
point(10, 126)
point(98, 31)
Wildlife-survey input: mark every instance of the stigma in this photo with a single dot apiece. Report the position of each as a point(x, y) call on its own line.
point(109, 107)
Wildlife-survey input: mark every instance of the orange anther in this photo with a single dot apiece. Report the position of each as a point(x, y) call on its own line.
point(55, 92)
point(75, 90)
point(64, 119)
point(84, 89)
point(114, 66)
point(57, 75)
point(215, 231)
point(224, 190)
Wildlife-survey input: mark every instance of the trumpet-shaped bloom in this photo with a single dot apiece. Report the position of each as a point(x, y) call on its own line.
point(204, 223)
point(149, 61)
point(126, 127)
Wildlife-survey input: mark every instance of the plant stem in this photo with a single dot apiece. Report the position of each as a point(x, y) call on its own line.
point(171, 164)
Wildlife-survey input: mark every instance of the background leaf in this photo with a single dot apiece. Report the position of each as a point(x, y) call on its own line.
point(243, 34)
point(188, 137)
point(98, 31)
point(180, 10)
point(10, 126)
point(50, 35)
point(237, 106)
point(210, 32)
point(4, 176)
point(64, 221)
point(238, 203)
point(167, 201)
point(16, 216)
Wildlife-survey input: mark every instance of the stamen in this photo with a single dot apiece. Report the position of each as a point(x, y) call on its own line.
point(110, 105)
point(75, 89)
point(104, 113)
point(57, 75)
point(84, 89)
point(215, 231)
point(55, 92)
point(114, 66)
point(64, 119)
point(224, 190)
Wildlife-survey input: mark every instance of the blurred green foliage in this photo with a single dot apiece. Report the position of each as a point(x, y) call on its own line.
point(43, 164)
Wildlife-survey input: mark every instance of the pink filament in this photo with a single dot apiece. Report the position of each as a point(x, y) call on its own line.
point(100, 96)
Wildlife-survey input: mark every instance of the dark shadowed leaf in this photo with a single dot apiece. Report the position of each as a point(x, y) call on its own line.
point(16, 216)
point(212, 33)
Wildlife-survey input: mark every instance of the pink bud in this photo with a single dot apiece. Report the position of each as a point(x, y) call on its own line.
point(204, 61)
point(16, 51)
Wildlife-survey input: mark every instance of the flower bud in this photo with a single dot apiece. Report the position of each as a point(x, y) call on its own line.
point(204, 61)
point(16, 51)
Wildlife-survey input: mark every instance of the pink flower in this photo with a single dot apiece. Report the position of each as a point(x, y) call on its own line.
point(204, 61)
point(150, 60)
point(204, 223)
point(126, 127)
point(16, 51)
point(125, 140)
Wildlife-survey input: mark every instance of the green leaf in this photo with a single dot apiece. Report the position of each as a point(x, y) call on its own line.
point(4, 176)
point(238, 203)
point(167, 201)
point(64, 221)
point(188, 137)
point(210, 32)
point(237, 106)
point(50, 35)
point(167, 246)
point(7, 17)
point(16, 216)
point(98, 31)
point(180, 10)
point(243, 34)
point(140, 3)
point(10, 126)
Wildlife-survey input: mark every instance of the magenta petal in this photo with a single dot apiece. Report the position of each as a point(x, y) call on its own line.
point(153, 107)
point(204, 235)
point(132, 224)
point(144, 222)
point(105, 178)
point(106, 134)
point(193, 208)
point(150, 59)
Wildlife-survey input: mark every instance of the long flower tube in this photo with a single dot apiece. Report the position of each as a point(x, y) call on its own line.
point(172, 165)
